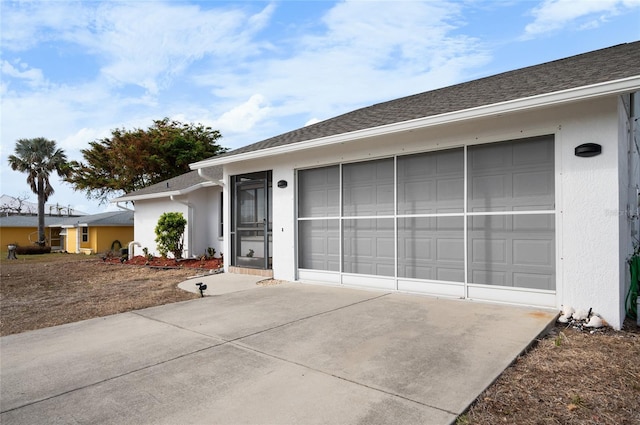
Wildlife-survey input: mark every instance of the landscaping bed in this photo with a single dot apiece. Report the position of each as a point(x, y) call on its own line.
point(203, 263)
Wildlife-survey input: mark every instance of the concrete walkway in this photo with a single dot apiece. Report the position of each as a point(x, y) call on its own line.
point(284, 354)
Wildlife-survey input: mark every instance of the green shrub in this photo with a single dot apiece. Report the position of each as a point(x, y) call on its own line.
point(170, 234)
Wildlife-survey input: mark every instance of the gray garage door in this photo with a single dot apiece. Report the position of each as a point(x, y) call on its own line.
point(472, 217)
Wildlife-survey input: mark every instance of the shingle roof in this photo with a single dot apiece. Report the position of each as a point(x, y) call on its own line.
point(178, 183)
point(109, 218)
point(30, 220)
point(613, 63)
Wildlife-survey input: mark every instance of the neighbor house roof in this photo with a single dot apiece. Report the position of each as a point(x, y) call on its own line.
point(602, 72)
point(109, 218)
point(30, 220)
point(105, 219)
point(175, 186)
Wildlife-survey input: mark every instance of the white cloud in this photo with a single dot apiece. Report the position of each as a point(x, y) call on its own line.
point(553, 15)
point(311, 122)
point(135, 43)
point(151, 46)
point(25, 24)
point(364, 52)
point(244, 117)
point(33, 76)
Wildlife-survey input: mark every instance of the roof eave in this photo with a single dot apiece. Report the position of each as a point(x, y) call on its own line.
point(158, 195)
point(543, 100)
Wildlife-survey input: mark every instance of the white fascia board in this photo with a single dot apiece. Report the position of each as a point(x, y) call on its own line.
point(624, 85)
point(158, 195)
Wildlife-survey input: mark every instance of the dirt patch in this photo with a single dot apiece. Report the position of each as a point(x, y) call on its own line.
point(568, 377)
point(52, 289)
point(270, 282)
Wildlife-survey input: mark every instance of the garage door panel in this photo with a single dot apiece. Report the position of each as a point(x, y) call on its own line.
point(489, 277)
point(417, 248)
point(369, 246)
point(534, 152)
point(319, 192)
point(368, 188)
point(450, 274)
point(486, 190)
point(533, 252)
point(430, 181)
point(534, 183)
point(450, 249)
point(533, 281)
point(318, 245)
point(415, 271)
point(488, 251)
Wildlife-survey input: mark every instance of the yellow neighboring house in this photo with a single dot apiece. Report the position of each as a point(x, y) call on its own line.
point(23, 230)
point(84, 234)
point(96, 233)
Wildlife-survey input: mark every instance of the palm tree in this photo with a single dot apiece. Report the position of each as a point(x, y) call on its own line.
point(39, 158)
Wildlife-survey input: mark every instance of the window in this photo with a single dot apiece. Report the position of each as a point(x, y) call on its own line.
point(85, 234)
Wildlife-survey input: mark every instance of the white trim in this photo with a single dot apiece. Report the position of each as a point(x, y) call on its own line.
point(168, 194)
point(512, 295)
point(543, 100)
point(432, 287)
point(369, 281)
point(319, 276)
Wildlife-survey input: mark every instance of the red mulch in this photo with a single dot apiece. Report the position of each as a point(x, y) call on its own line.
point(195, 263)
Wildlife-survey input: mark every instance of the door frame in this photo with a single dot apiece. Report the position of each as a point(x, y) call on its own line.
point(261, 182)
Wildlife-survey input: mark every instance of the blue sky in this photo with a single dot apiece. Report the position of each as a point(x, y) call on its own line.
point(73, 71)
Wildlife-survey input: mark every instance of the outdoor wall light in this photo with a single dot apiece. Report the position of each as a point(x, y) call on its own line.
point(282, 184)
point(586, 150)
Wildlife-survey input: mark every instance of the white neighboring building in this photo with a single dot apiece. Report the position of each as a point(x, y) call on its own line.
point(196, 195)
point(518, 188)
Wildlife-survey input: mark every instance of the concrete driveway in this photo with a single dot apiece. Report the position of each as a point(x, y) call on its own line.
point(283, 354)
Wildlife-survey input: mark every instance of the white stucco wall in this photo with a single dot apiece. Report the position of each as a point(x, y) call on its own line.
point(202, 221)
point(588, 193)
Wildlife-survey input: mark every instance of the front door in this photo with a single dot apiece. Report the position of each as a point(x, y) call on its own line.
point(251, 232)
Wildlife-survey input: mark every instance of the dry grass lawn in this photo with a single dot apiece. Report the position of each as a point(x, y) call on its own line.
point(37, 291)
point(568, 377)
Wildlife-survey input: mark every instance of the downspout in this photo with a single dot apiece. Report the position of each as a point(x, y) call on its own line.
point(189, 224)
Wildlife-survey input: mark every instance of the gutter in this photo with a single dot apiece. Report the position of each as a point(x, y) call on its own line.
point(517, 105)
point(157, 195)
point(121, 207)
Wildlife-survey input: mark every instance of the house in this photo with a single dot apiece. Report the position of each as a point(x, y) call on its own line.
point(197, 195)
point(519, 188)
point(88, 234)
point(96, 233)
point(23, 230)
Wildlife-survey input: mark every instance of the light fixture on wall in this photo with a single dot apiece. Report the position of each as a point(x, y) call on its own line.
point(586, 150)
point(282, 184)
